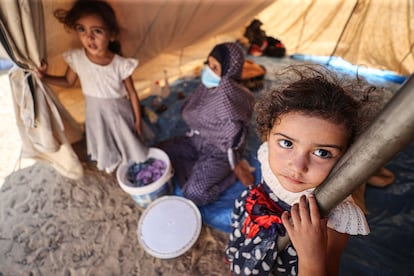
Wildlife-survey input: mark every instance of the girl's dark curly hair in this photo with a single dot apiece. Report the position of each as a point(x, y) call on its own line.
point(317, 92)
point(91, 7)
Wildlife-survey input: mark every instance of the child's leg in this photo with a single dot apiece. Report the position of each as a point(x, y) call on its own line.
point(381, 178)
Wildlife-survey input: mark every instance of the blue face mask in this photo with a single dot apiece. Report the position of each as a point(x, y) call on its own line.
point(209, 78)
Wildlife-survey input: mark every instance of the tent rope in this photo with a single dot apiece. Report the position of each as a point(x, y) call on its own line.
point(303, 25)
point(148, 30)
point(343, 32)
point(405, 57)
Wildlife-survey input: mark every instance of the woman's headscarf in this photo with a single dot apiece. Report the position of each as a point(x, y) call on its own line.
point(231, 59)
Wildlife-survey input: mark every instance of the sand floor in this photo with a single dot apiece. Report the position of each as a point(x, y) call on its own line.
point(52, 225)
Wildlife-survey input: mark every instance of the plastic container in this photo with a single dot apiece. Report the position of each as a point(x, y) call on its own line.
point(169, 227)
point(146, 194)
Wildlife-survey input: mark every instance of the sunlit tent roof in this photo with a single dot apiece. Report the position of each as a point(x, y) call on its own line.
point(173, 35)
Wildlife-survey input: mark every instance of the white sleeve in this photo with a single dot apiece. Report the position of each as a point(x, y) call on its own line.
point(128, 66)
point(69, 57)
point(348, 218)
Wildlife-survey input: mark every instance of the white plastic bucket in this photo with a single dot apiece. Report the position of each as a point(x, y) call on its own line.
point(146, 194)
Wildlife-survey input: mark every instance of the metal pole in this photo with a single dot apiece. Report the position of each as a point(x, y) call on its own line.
point(389, 133)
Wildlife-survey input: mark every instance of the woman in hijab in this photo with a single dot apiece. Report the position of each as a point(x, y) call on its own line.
point(218, 115)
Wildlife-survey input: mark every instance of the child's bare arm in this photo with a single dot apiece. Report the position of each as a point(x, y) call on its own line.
point(336, 245)
point(67, 80)
point(136, 107)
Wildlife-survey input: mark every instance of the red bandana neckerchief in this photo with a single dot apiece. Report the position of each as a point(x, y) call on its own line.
point(262, 211)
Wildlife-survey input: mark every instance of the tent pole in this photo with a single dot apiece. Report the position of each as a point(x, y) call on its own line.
point(389, 133)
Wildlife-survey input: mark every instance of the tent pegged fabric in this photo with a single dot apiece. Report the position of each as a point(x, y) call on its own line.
point(45, 126)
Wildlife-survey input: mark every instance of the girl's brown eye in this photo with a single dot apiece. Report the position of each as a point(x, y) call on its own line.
point(79, 28)
point(98, 31)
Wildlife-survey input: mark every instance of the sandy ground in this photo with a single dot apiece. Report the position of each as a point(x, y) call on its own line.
point(52, 225)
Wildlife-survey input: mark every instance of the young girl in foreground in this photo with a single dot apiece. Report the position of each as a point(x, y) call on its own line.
point(113, 123)
point(307, 127)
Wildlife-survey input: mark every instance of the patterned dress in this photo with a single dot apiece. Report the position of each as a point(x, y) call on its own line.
point(257, 224)
point(219, 120)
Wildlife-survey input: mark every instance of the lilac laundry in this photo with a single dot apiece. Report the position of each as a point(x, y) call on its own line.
point(144, 173)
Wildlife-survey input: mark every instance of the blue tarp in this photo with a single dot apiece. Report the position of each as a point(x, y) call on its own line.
point(5, 64)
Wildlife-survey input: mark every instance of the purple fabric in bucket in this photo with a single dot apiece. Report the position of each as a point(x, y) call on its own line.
point(144, 173)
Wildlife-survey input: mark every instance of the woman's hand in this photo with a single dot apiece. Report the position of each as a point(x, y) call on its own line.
point(243, 172)
point(308, 233)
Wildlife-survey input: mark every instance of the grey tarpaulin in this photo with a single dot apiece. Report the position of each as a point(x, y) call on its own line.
point(390, 132)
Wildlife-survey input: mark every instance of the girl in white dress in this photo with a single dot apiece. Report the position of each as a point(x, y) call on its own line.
point(113, 115)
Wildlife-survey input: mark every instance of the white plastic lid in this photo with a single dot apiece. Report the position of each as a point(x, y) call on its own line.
point(169, 226)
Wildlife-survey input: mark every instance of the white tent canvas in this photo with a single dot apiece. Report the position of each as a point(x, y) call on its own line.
point(175, 35)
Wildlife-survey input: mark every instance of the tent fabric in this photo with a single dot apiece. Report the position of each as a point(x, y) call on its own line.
point(44, 124)
point(376, 34)
point(162, 35)
point(176, 35)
